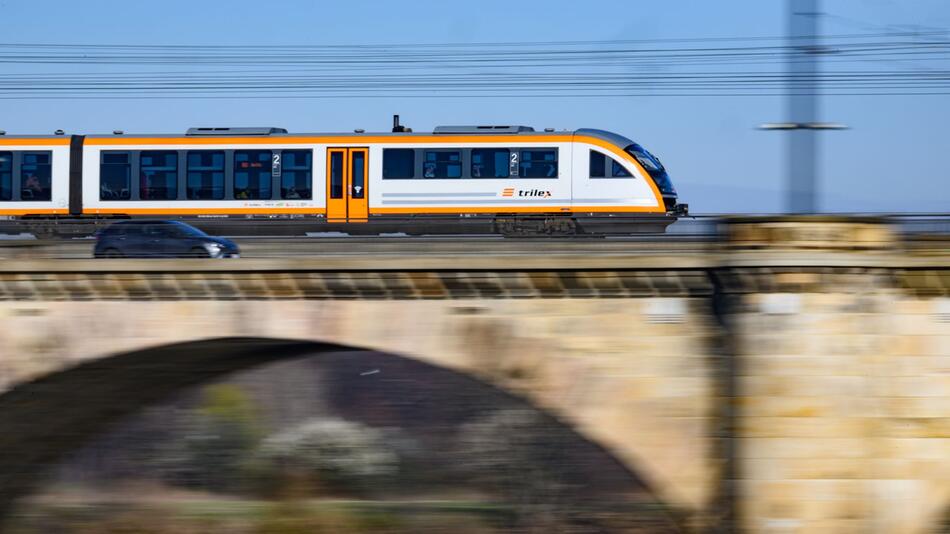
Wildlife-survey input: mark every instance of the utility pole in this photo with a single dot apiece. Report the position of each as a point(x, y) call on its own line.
point(802, 106)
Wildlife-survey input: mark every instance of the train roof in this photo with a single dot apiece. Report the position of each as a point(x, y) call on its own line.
point(486, 131)
point(4, 135)
point(277, 133)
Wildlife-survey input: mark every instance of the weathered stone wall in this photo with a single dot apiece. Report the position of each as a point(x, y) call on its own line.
point(845, 418)
point(630, 374)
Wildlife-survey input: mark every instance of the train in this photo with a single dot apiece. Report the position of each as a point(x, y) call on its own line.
point(508, 180)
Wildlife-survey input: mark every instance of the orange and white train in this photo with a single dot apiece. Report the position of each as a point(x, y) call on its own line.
point(458, 179)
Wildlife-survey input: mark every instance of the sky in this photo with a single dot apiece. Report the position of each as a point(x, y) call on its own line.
point(893, 157)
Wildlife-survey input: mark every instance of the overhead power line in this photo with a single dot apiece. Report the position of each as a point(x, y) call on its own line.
point(750, 66)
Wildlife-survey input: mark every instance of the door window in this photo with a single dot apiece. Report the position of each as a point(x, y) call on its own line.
point(358, 174)
point(336, 175)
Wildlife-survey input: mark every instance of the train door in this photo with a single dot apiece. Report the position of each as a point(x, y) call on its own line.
point(347, 181)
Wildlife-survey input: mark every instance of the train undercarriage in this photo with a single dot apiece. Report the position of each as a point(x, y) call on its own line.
point(508, 225)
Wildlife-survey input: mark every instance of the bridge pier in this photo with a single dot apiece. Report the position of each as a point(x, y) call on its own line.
point(842, 385)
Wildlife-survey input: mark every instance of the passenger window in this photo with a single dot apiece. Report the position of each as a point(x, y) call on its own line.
point(205, 180)
point(252, 174)
point(159, 175)
point(115, 176)
point(442, 164)
point(618, 171)
point(36, 180)
point(6, 175)
point(296, 176)
point(598, 165)
point(538, 163)
point(154, 231)
point(131, 230)
point(173, 230)
point(490, 162)
point(399, 163)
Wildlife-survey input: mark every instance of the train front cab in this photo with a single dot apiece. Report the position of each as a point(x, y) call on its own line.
point(620, 187)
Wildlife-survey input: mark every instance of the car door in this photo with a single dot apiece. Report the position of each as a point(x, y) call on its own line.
point(133, 241)
point(173, 241)
point(153, 242)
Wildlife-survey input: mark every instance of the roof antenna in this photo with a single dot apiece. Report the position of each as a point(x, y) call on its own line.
point(398, 128)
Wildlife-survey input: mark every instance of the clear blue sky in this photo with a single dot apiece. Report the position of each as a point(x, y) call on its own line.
point(893, 159)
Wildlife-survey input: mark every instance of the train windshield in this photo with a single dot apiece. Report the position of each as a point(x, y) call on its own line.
point(653, 166)
point(649, 161)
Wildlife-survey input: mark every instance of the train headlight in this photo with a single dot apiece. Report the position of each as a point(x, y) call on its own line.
point(214, 249)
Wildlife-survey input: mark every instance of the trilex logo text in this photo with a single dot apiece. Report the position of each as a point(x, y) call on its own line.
point(511, 192)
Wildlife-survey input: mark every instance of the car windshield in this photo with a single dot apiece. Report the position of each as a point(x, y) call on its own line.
point(649, 161)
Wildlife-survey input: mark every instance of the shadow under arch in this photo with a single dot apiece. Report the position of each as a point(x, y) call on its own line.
point(46, 419)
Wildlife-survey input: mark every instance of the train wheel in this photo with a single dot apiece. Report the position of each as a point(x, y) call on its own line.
point(112, 253)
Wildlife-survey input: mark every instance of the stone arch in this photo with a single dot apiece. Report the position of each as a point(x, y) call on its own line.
point(45, 419)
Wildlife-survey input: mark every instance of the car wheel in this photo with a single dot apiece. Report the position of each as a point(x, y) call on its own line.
point(199, 252)
point(111, 253)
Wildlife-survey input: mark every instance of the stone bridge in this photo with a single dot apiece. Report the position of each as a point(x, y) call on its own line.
point(791, 377)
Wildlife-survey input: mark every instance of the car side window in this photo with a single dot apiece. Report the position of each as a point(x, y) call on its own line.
point(174, 230)
point(125, 230)
point(151, 231)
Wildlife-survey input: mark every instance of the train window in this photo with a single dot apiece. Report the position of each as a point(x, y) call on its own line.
point(538, 163)
point(442, 164)
point(6, 175)
point(358, 174)
point(115, 176)
point(252, 174)
point(598, 165)
point(399, 163)
point(205, 178)
point(159, 175)
point(296, 176)
point(490, 162)
point(618, 171)
point(336, 174)
point(36, 179)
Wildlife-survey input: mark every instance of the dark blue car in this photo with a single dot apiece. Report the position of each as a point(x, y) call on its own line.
point(164, 239)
